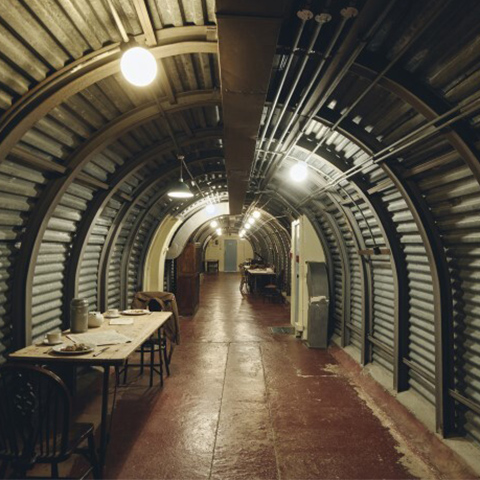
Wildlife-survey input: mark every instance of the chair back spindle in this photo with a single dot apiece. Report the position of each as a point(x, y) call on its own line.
point(35, 408)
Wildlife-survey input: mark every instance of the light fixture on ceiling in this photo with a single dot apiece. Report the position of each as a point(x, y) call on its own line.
point(251, 221)
point(214, 224)
point(248, 226)
point(180, 189)
point(256, 214)
point(241, 234)
point(298, 172)
point(210, 209)
point(219, 231)
point(138, 66)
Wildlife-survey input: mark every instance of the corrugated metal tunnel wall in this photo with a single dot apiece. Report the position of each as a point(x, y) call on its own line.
point(86, 160)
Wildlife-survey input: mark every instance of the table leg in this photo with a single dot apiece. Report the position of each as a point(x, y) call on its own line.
point(104, 422)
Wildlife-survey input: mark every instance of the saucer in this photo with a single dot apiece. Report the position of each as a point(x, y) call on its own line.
point(111, 316)
point(46, 342)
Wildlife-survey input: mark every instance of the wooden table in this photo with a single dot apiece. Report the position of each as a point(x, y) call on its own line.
point(116, 355)
point(256, 272)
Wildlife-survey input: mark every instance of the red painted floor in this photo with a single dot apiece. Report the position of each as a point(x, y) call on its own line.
point(242, 403)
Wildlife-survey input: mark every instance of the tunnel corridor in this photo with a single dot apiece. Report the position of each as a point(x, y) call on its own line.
point(356, 119)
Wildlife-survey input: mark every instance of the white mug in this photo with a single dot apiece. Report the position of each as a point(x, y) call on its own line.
point(54, 337)
point(112, 312)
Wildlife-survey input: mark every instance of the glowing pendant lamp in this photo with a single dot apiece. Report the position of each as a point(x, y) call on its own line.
point(138, 66)
point(180, 189)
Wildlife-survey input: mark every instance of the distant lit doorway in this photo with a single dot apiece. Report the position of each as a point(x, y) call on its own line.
point(230, 264)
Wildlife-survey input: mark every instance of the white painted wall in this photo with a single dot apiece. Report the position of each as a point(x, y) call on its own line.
point(310, 250)
point(216, 250)
point(155, 259)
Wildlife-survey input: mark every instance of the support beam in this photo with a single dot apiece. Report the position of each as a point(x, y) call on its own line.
point(145, 22)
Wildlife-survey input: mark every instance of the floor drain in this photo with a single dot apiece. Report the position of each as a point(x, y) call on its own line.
point(283, 330)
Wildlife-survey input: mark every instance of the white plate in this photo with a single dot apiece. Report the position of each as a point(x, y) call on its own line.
point(136, 311)
point(58, 349)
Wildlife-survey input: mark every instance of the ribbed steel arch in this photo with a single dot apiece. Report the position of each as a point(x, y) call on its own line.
point(365, 271)
point(126, 253)
point(117, 225)
point(85, 72)
point(397, 261)
point(346, 279)
point(281, 239)
point(443, 304)
point(115, 228)
point(203, 233)
point(44, 208)
point(131, 237)
point(101, 199)
point(151, 232)
point(25, 266)
point(425, 101)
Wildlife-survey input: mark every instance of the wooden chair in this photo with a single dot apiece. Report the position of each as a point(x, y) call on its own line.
point(274, 290)
point(244, 280)
point(156, 301)
point(35, 416)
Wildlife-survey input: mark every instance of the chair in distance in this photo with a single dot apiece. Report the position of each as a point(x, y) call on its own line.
point(244, 288)
point(35, 423)
point(157, 343)
point(273, 290)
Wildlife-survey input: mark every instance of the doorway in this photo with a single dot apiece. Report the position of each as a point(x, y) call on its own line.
point(295, 273)
point(230, 264)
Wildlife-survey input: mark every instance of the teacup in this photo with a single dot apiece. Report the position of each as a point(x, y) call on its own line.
point(54, 337)
point(112, 312)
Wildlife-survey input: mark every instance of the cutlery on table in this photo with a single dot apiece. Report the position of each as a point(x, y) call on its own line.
point(99, 352)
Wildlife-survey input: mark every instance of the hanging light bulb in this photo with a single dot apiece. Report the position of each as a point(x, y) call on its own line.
point(248, 226)
point(251, 221)
point(219, 231)
point(242, 233)
point(180, 188)
point(298, 172)
point(138, 66)
point(214, 224)
point(256, 214)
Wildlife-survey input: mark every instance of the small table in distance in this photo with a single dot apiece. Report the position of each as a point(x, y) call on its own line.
point(255, 273)
point(212, 266)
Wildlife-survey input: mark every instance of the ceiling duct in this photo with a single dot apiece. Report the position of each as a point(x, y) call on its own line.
point(247, 41)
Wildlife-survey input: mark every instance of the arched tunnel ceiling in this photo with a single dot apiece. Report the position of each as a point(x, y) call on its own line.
point(386, 90)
